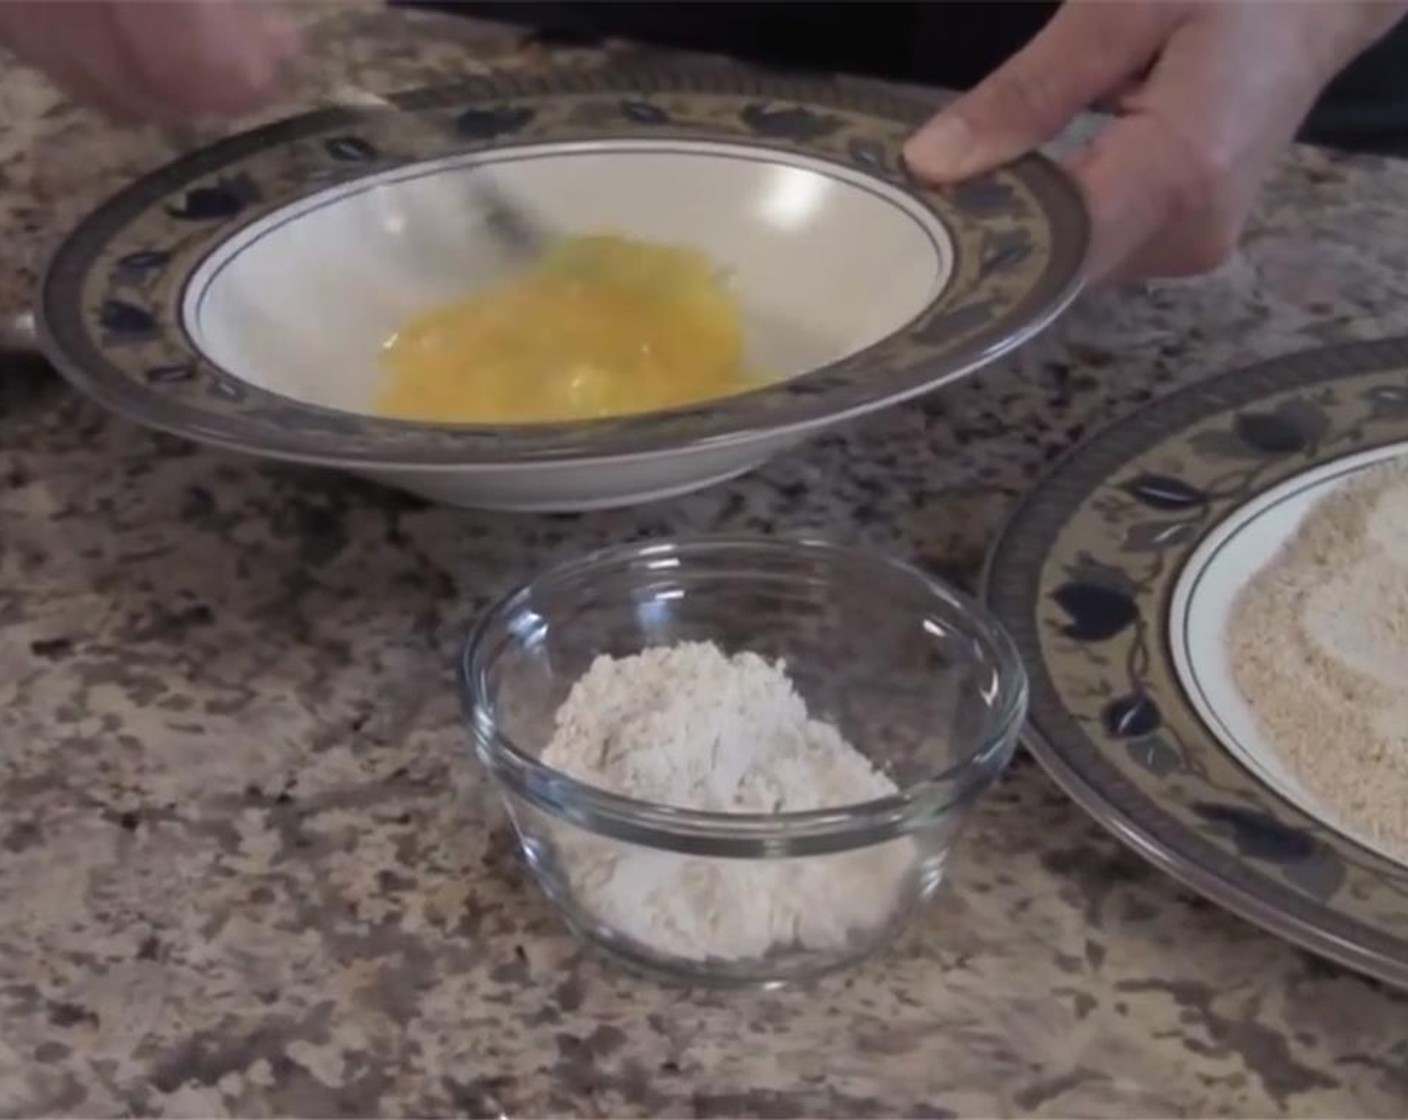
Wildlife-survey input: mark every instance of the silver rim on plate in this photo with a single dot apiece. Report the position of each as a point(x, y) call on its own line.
point(110, 310)
point(1084, 577)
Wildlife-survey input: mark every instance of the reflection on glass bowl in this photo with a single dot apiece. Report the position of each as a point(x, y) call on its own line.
point(914, 675)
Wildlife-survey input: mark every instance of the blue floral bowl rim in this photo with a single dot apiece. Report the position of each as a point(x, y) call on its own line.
point(855, 385)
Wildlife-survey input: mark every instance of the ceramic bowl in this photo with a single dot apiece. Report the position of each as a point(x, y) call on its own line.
point(914, 675)
point(242, 295)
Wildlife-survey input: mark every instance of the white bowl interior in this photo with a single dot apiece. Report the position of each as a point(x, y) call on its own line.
point(826, 260)
point(1205, 598)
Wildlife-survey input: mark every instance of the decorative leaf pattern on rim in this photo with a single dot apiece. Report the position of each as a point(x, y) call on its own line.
point(1082, 578)
point(1019, 237)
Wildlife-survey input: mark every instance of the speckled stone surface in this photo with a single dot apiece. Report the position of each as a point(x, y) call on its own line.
point(234, 879)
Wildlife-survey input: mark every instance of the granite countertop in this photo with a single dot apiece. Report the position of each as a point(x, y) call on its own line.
point(234, 877)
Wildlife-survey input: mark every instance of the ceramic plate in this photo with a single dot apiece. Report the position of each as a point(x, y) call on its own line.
point(1115, 579)
point(239, 295)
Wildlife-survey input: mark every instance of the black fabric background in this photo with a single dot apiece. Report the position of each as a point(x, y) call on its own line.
point(953, 43)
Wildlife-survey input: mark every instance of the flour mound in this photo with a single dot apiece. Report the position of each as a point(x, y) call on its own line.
point(1319, 647)
point(692, 728)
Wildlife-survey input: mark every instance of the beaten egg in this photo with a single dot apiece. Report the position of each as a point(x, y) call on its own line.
point(602, 326)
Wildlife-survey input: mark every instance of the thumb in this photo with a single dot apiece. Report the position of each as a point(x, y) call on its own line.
point(1085, 50)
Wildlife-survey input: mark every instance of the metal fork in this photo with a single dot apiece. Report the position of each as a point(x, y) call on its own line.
point(514, 224)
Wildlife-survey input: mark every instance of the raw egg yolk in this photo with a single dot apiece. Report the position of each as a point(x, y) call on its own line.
point(602, 326)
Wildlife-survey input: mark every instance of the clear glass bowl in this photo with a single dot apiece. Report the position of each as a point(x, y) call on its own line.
point(916, 676)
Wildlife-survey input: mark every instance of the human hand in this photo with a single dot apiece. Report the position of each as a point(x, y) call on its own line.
point(1204, 96)
point(163, 62)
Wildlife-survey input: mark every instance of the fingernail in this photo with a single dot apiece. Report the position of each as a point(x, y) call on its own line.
point(942, 149)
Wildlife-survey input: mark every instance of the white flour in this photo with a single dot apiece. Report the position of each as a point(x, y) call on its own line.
point(1319, 648)
point(688, 727)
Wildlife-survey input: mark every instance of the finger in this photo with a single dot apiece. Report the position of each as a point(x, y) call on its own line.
point(97, 52)
point(1086, 50)
point(1114, 101)
point(1138, 177)
point(1169, 184)
point(75, 45)
point(212, 56)
point(1199, 243)
point(1175, 253)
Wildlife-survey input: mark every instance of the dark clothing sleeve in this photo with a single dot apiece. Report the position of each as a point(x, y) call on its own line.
point(953, 43)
